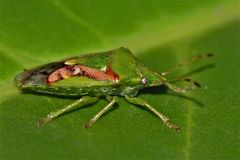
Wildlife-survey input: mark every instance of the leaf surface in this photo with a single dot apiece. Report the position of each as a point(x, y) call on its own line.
point(161, 34)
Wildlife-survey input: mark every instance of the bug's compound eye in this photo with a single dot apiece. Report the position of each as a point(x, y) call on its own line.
point(144, 81)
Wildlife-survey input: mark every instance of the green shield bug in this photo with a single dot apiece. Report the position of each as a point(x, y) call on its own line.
point(107, 74)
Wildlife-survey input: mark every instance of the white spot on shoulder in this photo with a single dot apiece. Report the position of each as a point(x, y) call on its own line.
point(104, 68)
point(70, 62)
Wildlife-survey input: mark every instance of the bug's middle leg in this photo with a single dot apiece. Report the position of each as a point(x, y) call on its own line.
point(86, 100)
point(165, 120)
point(94, 119)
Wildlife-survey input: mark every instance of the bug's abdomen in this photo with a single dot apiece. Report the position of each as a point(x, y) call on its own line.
point(91, 91)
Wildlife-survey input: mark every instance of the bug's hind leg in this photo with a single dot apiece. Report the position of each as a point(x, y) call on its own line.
point(94, 119)
point(165, 120)
point(86, 100)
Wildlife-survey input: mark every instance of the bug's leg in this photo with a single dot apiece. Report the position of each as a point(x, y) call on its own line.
point(192, 85)
point(165, 120)
point(175, 88)
point(94, 119)
point(86, 100)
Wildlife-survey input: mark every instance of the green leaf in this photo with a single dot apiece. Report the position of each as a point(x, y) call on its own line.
point(161, 34)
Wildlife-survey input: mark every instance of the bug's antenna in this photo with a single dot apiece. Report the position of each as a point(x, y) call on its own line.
point(195, 58)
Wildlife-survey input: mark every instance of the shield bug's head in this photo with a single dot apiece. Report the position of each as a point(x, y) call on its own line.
point(150, 78)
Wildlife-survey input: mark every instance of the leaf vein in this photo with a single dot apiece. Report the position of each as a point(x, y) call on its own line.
point(18, 56)
point(79, 20)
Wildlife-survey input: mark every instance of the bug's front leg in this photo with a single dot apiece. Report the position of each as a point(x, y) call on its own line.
point(86, 100)
point(165, 120)
point(94, 119)
point(192, 85)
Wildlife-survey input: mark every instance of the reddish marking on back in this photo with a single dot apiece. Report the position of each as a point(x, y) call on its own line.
point(112, 74)
point(80, 70)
